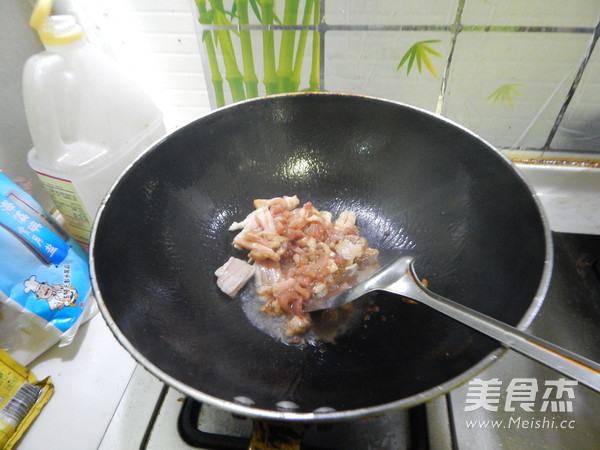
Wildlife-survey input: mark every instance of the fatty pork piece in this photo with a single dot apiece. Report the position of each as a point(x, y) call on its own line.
point(298, 252)
point(233, 275)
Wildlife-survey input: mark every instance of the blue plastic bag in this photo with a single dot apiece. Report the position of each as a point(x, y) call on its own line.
point(45, 288)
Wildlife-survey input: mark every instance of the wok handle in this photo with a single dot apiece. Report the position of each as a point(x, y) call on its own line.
point(577, 367)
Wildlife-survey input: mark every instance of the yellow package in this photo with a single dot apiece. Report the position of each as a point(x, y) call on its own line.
point(22, 397)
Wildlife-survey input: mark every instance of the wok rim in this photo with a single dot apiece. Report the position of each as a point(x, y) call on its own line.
point(333, 415)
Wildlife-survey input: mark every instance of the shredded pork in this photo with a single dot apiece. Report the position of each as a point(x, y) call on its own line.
point(298, 252)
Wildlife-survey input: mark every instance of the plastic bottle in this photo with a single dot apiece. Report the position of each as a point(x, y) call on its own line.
point(88, 120)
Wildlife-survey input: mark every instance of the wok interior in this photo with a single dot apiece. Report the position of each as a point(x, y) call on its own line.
point(419, 185)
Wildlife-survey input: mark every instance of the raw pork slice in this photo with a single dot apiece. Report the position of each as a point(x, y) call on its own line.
point(233, 275)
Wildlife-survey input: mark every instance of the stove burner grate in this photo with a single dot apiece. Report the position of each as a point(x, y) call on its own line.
point(399, 429)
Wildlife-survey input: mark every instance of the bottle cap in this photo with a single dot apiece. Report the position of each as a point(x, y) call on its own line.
point(54, 30)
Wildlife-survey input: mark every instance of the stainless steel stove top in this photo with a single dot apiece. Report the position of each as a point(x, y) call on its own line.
point(533, 412)
point(515, 403)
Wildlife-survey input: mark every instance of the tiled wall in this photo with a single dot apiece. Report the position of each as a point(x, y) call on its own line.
point(537, 52)
point(523, 74)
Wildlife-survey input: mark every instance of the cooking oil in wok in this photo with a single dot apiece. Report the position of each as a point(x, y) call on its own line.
point(327, 325)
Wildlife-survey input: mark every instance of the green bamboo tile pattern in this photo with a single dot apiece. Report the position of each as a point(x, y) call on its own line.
point(519, 73)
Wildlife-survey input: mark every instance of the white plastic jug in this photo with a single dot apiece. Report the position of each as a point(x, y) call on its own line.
point(88, 120)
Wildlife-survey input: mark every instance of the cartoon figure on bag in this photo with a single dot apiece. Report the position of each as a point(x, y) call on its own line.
point(57, 295)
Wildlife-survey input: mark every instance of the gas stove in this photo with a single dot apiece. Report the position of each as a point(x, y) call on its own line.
point(526, 405)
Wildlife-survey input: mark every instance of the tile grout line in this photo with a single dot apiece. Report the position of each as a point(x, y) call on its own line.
point(457, 26)
point(573, 88)
point(324, 26)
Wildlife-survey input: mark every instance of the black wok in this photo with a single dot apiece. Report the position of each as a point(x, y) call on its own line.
point(419, 184)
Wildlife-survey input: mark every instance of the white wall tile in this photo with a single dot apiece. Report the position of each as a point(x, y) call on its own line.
point(175, 43)
point(157, 42)
point(155, 5)
point(542, 67)
point(565, 13)
point(580, 127)
point(155, 22)
point(366, 62)
point(385, 12)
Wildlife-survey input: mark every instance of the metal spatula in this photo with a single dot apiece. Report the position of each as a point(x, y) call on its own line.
point(398, 277)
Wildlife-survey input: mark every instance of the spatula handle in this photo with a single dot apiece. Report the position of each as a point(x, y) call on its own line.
point(584, 370)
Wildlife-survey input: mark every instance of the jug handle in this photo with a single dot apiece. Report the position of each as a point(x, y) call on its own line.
point(40, 83)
